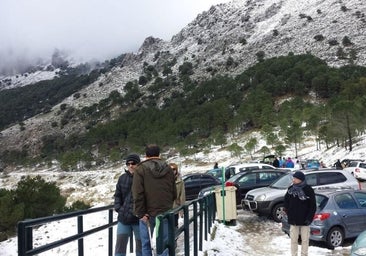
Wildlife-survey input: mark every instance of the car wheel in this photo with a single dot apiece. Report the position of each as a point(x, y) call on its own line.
point(335, 237)
point(278, 211)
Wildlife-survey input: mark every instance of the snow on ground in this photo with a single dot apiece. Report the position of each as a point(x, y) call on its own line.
point(97, 188)
point(225, 241)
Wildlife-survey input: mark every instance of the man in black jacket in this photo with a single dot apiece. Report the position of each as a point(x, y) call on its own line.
point(300, 206)
point(127, 221)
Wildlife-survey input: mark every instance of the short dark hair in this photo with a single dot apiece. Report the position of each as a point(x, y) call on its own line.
point(152, 150)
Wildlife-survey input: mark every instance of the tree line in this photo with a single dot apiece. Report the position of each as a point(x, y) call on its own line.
point(285, 97)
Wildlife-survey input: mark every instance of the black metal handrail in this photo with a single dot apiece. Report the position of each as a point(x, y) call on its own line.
point(202, 217)
point(25, 231)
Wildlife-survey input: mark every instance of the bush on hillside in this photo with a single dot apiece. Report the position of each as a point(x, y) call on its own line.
point(33, 198)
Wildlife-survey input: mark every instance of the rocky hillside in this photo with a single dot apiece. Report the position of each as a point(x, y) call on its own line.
point(226, 39)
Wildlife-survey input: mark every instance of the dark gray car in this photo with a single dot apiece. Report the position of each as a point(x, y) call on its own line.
point(195, 182)
point(248, 180)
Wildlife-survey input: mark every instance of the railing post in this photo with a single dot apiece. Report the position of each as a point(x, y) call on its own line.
point(195, 227)
point(186, 229)
point(171, 233)
point(110, 233)
point(21, 239)
point(81, 240)
point(202, 211)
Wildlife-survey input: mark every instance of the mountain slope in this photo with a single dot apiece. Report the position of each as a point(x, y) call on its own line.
point(226, 39)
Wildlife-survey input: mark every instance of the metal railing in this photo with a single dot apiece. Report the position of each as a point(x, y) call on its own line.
point(201, 212)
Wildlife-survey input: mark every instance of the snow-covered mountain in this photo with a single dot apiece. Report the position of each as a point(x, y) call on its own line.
point(242, 28)
point(226, 39)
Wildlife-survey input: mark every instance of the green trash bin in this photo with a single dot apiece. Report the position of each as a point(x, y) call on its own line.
point(226, 203)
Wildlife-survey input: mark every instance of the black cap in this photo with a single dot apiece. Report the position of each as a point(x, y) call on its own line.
point(133, 158)
point(299, 175)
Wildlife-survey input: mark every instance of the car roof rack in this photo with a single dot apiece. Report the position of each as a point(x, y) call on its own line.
point(333, 188)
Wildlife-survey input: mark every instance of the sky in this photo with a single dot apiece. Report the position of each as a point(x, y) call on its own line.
point(89, 29)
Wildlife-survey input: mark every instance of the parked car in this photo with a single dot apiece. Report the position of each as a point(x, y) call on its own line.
point(245, 181)
point(195, 182)
point(359, 245)
point(268, 159)
point(217, 173)
point(312, 164)
point(268, 201)
point(346, 162)
point(357, 169)
point(340, 215)
point(243, 167)
point(233, 169)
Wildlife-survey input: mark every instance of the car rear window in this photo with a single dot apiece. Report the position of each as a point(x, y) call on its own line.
point(331, 178)
point(353, 164)
point(321, 201)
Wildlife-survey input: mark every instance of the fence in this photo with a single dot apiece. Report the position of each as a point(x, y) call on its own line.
point(200, 212)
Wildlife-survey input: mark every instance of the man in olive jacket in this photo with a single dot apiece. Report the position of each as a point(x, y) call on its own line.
point(153, 192)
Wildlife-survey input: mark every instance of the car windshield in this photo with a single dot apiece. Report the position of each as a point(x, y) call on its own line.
point(282, 183)
point(235, 177)
point(214, 172)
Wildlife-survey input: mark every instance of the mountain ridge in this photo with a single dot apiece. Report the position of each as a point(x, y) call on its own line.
point(226, 39)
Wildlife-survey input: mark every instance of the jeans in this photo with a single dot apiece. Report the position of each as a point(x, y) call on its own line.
point(123, 234)
point(304, 231)
point(145, 238)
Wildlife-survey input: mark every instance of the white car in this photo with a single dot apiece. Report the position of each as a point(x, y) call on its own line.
point(243, 167)
point(358, 169)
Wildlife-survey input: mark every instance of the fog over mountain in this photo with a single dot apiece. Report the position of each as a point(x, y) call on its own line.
point(87, 30)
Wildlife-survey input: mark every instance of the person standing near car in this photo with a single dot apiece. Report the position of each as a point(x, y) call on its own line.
point(181, 193)
point(127, 221)
point(300, 206)
point(338, 165)
point(289, 163)
point(276, 162)
point(154, 192)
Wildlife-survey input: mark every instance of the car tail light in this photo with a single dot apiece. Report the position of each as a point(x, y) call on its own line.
point(229, 184)
point(357, 170)
point(321, 216)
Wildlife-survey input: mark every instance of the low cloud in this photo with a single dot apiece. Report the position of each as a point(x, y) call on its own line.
point(88, 29)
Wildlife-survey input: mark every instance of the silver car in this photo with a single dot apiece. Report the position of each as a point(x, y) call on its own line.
point(340, 214)
point(268, 201)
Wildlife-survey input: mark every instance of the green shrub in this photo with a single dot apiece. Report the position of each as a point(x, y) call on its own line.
point(40, 198)
point(33, 198)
